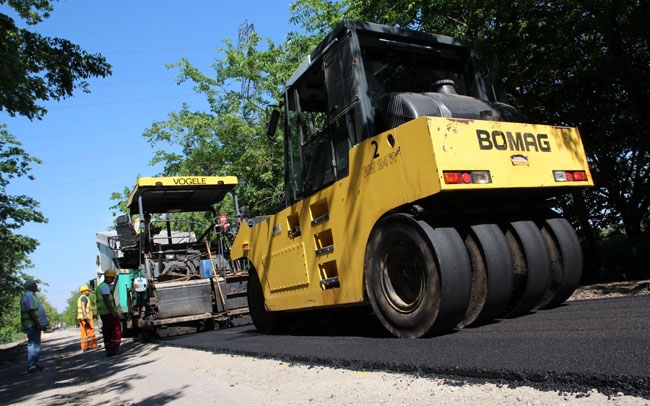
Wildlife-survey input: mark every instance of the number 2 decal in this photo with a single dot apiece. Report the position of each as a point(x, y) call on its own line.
point(376, 154)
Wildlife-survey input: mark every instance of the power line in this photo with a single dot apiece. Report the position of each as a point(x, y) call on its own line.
point(106, 82)
point(78, 133)
point(74, 182)
point(151, 51)
point(89, 157)
point(120, 101)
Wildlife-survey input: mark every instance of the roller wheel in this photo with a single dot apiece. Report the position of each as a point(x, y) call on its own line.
point(455, 276)
point(565, 253)
point(417, 277)
point(532, 270)
point(265, 321)
point(492, 277)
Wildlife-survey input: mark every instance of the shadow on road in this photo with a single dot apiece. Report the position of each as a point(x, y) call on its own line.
point(71, 376)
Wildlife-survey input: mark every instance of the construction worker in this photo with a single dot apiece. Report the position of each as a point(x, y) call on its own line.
point(34, 321)
point(111, 327)
point(85, 317)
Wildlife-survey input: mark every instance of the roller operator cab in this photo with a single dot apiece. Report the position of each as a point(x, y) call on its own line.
point(406, 188)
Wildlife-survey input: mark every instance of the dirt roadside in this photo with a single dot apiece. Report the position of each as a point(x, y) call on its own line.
point(149, 374)
point(612, 289)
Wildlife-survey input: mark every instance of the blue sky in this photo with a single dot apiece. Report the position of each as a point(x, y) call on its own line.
point(91, 145)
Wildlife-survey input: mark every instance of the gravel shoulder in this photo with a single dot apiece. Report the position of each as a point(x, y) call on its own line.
point(612, 289)
point(151, 374)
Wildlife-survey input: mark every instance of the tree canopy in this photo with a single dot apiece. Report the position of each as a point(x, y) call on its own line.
point(15, 212)
point(230, 138)
point(33, 69)
point(10, 325)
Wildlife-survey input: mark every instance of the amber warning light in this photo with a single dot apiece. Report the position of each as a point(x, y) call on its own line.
point(466, 177)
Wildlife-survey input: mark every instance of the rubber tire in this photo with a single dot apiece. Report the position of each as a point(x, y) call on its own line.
point(565, 252)
point(531, 267)
point(266, 322)
point(492, 277)
point(455, 276)
point(479, 280)
point(403, 279)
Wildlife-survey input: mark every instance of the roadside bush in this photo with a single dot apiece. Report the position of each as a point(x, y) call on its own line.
point(10, 335)
point(621, 259)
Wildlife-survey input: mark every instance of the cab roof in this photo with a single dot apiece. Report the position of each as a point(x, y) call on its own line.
point(377, 31)
point(179, 193)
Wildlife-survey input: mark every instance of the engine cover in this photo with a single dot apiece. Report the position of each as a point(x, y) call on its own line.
point(399, 108)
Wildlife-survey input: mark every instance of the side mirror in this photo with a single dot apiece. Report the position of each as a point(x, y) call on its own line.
point(273, 124)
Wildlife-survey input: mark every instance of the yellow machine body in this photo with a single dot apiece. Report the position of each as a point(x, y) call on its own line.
point(311, 254)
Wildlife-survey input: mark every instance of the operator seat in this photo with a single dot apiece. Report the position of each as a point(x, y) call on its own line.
point(126, 234)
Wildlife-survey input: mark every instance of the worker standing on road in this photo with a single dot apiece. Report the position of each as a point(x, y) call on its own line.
point(110, 318)
point(85, 317)
point(34, 321)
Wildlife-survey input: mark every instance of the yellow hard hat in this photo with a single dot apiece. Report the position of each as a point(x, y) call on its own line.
point(110, 273)
point(84, 288)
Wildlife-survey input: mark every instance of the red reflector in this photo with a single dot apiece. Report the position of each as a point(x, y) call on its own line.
point(579, 176)
point(453, 177)
point(467, 178)
point(569, 176)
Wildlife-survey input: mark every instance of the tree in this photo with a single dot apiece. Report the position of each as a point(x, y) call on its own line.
point(33, 68)
point(15, 212)
point(11, 327)
point(230, 138)
point(318, 17)
point(69, 315)
point(36, 68)
point(120, 201)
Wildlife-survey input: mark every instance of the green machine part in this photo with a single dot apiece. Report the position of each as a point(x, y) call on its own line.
point(123, 284)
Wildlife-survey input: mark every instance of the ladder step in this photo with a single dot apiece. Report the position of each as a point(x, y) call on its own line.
point(325, 250)
point(330, 283)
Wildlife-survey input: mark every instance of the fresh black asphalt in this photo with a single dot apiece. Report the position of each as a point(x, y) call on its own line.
point(602, 344)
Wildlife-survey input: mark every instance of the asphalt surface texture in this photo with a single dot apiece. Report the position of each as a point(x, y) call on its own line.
point(599, 343)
